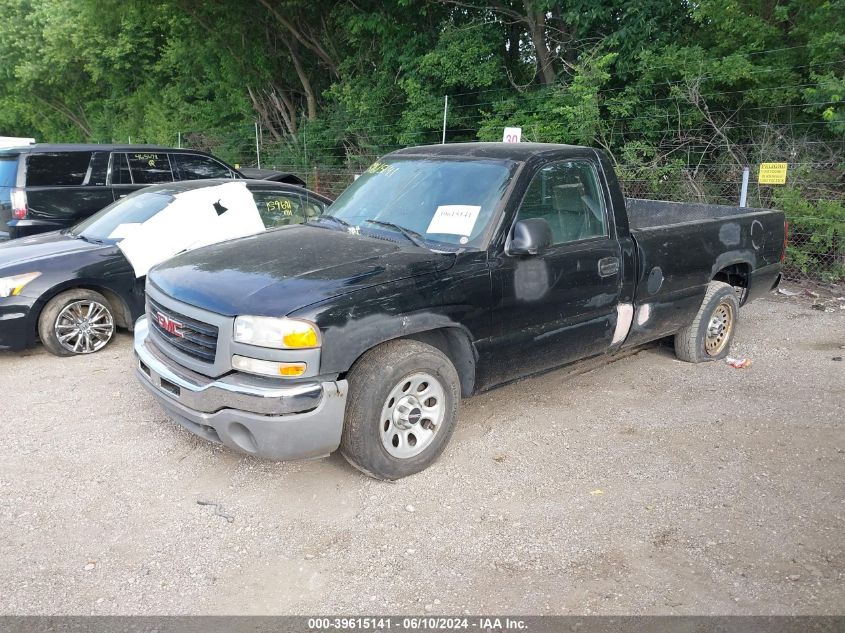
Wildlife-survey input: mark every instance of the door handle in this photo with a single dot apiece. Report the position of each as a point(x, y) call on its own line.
point(608, 266)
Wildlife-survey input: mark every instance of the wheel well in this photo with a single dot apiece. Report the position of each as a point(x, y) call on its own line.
point(738, 276)
point(122, 314)
point(455, 344)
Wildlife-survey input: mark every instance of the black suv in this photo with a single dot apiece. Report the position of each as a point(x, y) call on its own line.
point(48, 187)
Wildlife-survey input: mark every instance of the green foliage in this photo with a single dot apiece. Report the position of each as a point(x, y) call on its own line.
point(682, 95)
point(817, 230)
point(556, 114)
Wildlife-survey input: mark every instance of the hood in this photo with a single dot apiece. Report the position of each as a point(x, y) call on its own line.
point(25, 250)
point(277, 272)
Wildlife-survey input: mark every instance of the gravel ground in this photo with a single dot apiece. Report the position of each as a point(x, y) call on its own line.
point(644, 486)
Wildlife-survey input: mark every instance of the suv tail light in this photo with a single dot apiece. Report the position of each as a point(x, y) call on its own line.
point(18, 203)
point(785, 240)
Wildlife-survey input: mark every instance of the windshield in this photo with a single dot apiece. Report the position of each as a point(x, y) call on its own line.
point(439, 201)
point(120, 218)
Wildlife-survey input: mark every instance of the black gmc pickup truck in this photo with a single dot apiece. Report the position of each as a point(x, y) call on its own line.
point(442, 271)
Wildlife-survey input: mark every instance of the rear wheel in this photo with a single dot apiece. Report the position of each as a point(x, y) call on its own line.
point(76, 322)
point(710, 334)
point(402, 407)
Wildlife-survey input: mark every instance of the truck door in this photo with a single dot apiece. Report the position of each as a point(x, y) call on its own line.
point(560, 305)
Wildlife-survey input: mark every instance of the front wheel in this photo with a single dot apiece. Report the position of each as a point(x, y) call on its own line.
point(76, 322)
point(402, 407)
point(711, 332)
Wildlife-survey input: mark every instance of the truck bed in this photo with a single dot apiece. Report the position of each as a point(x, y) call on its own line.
point(680, 247)
point(649, 214)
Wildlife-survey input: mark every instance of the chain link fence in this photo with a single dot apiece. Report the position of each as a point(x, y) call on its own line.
point(813, 200)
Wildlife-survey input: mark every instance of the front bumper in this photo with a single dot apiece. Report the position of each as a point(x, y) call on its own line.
point(17, 323)
point(248, 414)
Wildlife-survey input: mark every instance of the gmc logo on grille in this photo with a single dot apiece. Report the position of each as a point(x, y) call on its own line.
point(169, 325)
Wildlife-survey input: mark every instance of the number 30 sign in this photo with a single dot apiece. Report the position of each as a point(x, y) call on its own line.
point(512, 135)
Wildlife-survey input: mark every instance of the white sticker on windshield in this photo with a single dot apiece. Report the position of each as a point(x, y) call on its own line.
point(454, 219)
point(124, 230)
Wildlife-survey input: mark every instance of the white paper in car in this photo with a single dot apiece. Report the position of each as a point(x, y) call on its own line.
point(454, 219)
point(195, 218)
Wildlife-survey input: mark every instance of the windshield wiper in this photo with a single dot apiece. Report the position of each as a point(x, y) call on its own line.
point(90, 240)
point(413, 236)
point(340, 221)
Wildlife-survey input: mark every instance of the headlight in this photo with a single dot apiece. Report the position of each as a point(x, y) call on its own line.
point(12, 286)
point(276, 333)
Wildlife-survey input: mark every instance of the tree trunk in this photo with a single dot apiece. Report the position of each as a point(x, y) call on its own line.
point(310, 97)
point(309, 43)
point(536, 20)
point(78, 119)
point(287, 110)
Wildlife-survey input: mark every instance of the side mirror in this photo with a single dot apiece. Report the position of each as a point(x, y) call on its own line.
point(530, 237)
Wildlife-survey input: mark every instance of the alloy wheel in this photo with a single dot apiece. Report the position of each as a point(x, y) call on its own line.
point(84, 327)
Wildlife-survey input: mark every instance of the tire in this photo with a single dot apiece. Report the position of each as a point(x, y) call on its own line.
point(68, 313)
point(711, 332)
point(389, 432)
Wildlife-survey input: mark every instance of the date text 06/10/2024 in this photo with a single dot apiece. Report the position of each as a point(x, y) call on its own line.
point(422, 623)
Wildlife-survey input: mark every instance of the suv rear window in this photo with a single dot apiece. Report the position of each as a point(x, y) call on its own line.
point(8, 170)
point(57, 168)
point(149, 168)
point(120, 170)
point(196, 167)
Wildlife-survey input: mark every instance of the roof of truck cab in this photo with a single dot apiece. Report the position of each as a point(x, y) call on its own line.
point(92, 147)
point(501, 151)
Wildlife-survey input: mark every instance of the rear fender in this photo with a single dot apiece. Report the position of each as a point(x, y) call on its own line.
point(732, 258)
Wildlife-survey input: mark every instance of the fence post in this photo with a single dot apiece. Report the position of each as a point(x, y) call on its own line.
point(743, 194)
point(257, 148)
point(179, 140)
point(445, 110)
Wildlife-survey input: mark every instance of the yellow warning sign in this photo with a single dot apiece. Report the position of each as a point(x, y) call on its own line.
point(772, 174)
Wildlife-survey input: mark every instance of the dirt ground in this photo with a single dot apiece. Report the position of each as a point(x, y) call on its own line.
point(645, 486)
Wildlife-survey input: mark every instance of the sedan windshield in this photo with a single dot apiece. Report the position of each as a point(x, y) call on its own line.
point(436, 202)
point(120, 218)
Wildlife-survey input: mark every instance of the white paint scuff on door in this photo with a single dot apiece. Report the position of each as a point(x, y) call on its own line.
point(624, 317)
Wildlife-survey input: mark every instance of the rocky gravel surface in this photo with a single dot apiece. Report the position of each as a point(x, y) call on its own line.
point(641, 486)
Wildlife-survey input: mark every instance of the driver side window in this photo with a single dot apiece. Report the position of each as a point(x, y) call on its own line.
point(568, 197)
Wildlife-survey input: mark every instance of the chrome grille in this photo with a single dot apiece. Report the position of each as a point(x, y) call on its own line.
point(198, 340)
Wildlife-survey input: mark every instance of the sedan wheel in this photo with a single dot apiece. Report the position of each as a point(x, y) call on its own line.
point(78, 321)
point(83, 327)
